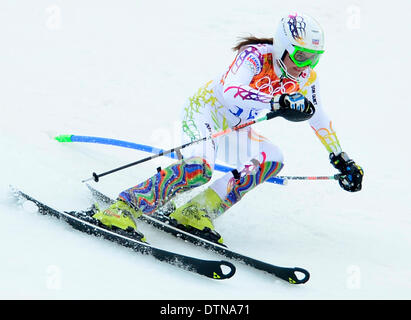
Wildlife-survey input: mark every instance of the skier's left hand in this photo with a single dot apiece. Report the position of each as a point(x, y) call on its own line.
point(351, 173)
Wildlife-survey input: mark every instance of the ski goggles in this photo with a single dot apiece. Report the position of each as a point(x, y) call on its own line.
point(303, 57)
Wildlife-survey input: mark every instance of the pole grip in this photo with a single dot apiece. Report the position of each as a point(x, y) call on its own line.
point(271, 115)
point(95, 177)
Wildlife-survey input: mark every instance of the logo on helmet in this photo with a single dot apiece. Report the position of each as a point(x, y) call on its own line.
point(297, 26)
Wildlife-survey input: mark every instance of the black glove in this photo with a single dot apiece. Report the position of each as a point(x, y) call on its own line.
point(293, 107)
point(351, 173)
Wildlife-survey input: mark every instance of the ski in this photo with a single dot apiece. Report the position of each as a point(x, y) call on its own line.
point(209, 268)
point(159, 221)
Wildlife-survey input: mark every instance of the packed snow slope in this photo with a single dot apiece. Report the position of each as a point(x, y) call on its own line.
point(122, 70)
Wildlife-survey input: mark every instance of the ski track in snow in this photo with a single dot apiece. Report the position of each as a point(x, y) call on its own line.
point(122, 71)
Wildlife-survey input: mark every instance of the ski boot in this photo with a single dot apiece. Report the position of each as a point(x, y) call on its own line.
point(194, 216)
point(120, 218)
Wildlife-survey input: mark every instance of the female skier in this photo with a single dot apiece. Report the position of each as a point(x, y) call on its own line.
point(267, 75)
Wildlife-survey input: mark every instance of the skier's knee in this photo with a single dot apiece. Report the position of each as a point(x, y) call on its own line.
point(198, 169)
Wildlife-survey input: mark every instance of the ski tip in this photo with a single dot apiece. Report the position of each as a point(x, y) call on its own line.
point(299, 276)
point(225, 270)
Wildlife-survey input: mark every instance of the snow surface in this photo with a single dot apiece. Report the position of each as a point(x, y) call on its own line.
point(122, 70)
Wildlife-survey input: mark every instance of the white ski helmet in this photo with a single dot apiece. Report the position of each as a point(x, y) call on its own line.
point(302, 37)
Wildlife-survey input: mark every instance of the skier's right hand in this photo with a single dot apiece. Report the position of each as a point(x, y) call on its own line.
point(351, 173)
point(293, 107)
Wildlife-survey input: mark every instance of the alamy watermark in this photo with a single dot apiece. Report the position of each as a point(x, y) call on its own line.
point(237, 147)
point(353, 21)
point(353, 280)
point(53, 277)
point(54, 20)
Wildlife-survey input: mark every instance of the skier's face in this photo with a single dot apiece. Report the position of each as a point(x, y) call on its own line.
point(292, 69)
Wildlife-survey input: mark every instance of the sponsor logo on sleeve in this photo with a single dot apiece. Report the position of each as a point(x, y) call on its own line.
point(254, 63)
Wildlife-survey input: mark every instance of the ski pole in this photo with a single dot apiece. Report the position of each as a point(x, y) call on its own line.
point(65, 138)
point(270, 115)
point(334, 177)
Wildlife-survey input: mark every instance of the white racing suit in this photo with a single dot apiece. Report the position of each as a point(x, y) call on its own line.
point(242, 93)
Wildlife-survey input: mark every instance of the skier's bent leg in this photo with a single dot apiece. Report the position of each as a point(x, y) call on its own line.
point(149, 195)
point(196, 215)
point(232, 187)
point(240, 183)
point(154, 192)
